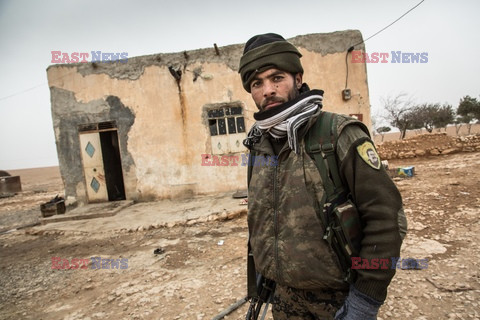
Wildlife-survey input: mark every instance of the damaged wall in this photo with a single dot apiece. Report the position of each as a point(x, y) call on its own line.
point(161, 104)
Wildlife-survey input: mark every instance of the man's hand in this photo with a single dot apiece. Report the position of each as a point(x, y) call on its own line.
point(358, 306)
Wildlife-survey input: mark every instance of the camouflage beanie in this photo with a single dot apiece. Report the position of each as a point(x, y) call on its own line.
point(266, 51)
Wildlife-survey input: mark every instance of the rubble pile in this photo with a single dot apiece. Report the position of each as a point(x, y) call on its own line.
point(430, 144)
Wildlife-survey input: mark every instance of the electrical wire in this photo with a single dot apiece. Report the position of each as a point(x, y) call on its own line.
point(23, 91)
point(363, 41)
point(403, 15)
point(346, 64)
point(37, 86)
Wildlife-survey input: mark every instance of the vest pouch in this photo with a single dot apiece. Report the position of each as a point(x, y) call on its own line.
point(347, 229)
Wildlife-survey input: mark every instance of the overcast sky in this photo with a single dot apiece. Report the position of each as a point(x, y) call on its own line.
point(29, 30)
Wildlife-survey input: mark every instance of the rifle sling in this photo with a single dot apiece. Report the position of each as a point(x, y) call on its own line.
point(320, 144)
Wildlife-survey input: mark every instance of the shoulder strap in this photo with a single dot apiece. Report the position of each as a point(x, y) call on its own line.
point(340, 225)
point(252, 288)
point(320, 144)
point(250, 163)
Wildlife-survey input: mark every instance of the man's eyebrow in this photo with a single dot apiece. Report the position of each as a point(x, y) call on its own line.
point(255, 78)
point(273, 74)
point(276, 73)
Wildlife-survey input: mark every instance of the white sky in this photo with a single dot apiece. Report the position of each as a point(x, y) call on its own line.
point(30, 30)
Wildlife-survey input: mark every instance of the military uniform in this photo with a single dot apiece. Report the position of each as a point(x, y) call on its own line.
point(286, 235)
point(286, 198)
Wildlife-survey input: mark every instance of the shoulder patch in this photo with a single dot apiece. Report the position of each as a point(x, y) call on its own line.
point(368, 153)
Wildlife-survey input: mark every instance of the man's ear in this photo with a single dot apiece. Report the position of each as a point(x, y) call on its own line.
point(298, 80)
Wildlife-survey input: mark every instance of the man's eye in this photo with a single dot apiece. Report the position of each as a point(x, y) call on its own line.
point(255, 84)
point(277, 78)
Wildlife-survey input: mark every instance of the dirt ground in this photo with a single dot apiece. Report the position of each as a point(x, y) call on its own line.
point(200, 269)
point(38, 186)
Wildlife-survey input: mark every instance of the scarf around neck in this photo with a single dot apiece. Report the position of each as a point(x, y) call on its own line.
point(285, 120)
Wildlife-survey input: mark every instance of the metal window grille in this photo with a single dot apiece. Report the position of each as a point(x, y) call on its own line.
point(226, 120)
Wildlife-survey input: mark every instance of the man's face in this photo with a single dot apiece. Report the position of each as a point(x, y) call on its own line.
point(372, 156)
point(274, 87)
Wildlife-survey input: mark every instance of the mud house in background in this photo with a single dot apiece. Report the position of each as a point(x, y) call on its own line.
point(142, 129)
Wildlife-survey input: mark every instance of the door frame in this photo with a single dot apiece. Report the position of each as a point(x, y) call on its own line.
point(98, 128)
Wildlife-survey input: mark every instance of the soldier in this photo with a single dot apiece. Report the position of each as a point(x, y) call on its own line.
point(285, 233)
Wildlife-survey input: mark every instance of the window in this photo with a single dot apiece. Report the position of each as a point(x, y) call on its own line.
point(226, 120)
point(226, 125)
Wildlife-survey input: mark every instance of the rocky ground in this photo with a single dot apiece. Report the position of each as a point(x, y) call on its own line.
point(199, 270)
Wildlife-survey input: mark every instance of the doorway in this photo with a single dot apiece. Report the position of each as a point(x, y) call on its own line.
point(102, 164)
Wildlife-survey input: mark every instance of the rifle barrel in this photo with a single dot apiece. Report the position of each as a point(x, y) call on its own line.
point(230, 309)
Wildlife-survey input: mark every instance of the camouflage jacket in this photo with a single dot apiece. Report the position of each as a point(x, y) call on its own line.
point(285, 232)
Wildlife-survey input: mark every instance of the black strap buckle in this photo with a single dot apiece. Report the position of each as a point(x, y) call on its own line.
point(327, 147)
point(314, 148)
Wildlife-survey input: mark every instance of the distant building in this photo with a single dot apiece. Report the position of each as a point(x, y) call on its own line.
point(141, 129)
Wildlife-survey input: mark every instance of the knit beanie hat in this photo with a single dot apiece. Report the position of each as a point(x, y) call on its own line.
point(266, 51)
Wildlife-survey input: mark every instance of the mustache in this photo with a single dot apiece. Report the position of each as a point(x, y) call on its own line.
point(270, 100)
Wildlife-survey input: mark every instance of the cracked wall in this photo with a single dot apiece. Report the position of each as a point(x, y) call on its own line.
point(68, 114)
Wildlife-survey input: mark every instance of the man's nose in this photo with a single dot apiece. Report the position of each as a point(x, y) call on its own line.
point(269, 89)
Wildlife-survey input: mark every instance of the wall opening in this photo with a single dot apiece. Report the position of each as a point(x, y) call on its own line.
point(227, 128)
point(102, 164)
point(113, 165)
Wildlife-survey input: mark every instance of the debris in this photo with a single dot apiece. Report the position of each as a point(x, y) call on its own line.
point(240, 194)
point(406, 171)
point(158, 251)
point(220, 243)
point(244, 202)
point(53, 207)
point(9, 184)
point(402, 172)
